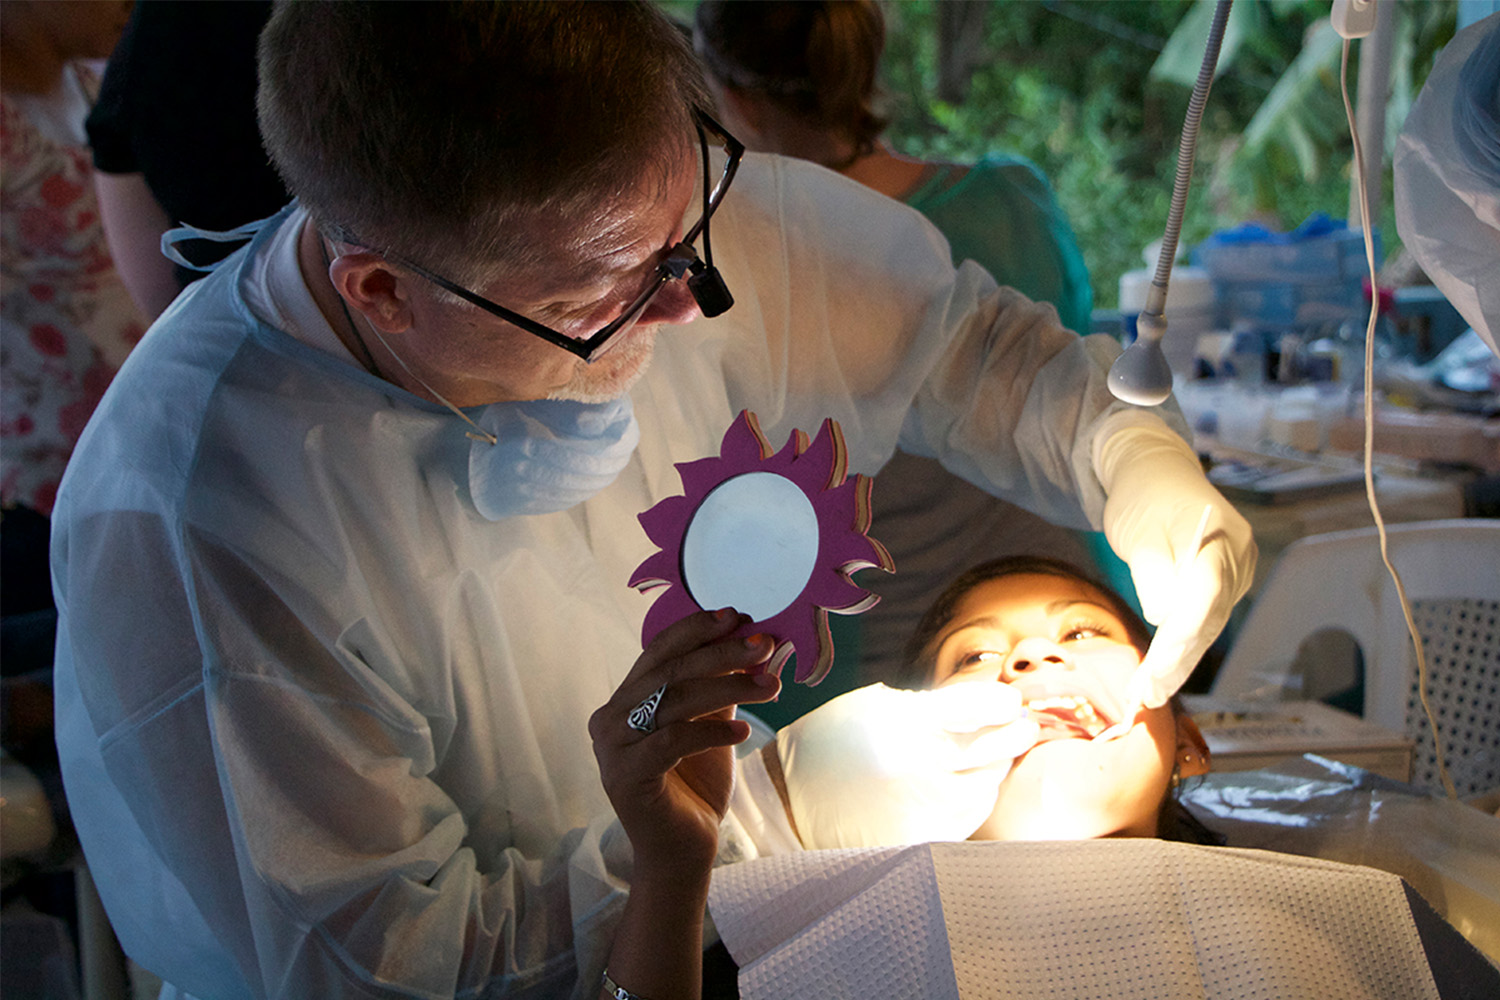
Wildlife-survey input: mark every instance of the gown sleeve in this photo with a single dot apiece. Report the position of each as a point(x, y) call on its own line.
point(848, 306)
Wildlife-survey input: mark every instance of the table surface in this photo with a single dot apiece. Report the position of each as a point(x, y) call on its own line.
point(1401, 498)
point(1404, 491)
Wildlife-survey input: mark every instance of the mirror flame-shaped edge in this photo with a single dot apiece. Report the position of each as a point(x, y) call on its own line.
point(843, 507)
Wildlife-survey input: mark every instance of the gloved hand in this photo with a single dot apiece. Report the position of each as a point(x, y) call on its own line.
point(1190, 553)
point(881, 766)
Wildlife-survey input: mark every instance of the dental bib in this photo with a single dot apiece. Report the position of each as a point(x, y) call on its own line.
point(548, 454)
point(1081, 920)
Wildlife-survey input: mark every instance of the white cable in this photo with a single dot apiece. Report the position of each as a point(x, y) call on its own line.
point(477, 434)
point(1369, 408)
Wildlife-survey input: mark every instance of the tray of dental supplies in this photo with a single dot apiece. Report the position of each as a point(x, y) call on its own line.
point(1277, 479)
point(1247, 735)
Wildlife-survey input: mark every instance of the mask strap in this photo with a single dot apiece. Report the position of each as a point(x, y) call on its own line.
point(179, 234)
point(477, 434)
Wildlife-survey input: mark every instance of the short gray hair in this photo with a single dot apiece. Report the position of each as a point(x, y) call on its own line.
point(446, 131)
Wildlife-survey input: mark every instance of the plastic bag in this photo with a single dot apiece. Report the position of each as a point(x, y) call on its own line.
point(1448, 850)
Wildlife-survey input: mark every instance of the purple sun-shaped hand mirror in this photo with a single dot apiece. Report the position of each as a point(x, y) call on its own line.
point(774, 536)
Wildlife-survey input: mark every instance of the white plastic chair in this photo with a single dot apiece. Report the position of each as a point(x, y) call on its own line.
point(1451, 572)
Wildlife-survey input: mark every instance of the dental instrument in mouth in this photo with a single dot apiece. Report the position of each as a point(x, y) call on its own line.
point(1184, 559)
point(1073, 715)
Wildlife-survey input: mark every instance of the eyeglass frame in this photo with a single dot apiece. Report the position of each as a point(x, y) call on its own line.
point(678, 262)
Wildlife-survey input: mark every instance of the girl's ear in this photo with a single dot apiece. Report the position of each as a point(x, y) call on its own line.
point(1193, 758)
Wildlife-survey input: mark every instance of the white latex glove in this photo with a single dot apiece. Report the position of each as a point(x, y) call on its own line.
point(1190, 553)
point(881, 766)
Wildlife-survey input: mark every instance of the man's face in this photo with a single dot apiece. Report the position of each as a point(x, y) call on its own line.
point(473, 358)
point(1058, 642)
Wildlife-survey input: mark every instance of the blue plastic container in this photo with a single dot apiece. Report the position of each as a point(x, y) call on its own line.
point(1310, 277)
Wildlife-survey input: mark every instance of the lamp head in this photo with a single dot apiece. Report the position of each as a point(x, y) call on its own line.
point(1140, 375)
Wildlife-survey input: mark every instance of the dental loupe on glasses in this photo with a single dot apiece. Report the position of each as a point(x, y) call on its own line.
point(703, 280)
point(682, 261)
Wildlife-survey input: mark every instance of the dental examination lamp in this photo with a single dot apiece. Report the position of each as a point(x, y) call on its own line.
point(1140, 375)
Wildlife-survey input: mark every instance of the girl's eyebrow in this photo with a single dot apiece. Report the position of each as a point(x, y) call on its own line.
point(983, 621)
point(994, 621)
point(1064, 603)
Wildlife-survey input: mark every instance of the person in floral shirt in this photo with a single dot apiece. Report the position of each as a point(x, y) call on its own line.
point(66, 320)
point(66, 324)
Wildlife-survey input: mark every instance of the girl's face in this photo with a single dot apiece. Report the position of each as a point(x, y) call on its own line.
point(1057, 641)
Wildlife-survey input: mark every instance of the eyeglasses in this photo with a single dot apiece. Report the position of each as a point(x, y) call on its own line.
point(703, 279)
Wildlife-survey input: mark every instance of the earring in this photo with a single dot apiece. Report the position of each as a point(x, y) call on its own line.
point(1176, 777)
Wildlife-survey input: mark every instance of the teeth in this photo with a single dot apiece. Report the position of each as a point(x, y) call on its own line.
point(1079, 708)
point(1069, 702)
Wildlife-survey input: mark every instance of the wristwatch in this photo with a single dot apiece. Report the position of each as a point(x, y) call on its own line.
point(617, 991)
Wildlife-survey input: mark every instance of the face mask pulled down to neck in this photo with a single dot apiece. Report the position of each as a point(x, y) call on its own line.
point(548, 455)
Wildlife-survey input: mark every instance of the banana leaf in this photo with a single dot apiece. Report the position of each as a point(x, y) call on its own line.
point(1182, 56)
point(1290, 110)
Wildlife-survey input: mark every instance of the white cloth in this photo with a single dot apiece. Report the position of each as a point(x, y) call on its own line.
point(1083, 920)
point(323, 726)
point(757, 824)
point(1447, 177)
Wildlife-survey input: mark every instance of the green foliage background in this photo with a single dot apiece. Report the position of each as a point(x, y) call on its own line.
point(1069, 84)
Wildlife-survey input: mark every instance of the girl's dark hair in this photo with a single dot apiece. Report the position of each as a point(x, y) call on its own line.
point(816, 59)
point(919, 664)
point(1177, 822)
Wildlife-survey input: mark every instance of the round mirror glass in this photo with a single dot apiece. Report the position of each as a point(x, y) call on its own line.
point(751, 545)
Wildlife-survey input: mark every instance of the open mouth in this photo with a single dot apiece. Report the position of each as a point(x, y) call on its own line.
point(1066, 716)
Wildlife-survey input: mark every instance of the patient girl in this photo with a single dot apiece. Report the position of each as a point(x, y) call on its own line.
point(1068, 646)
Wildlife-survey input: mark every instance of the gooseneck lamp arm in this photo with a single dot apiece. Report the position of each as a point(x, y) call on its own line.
point(1140, 375)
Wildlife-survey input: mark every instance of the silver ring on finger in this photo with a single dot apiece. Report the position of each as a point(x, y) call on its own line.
point(643, 717)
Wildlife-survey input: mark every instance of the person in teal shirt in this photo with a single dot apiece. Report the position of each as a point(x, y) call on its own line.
point(798, 78)
point(1001, 213)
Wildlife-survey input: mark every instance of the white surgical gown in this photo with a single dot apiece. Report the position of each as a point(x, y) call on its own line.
point(323, 726)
